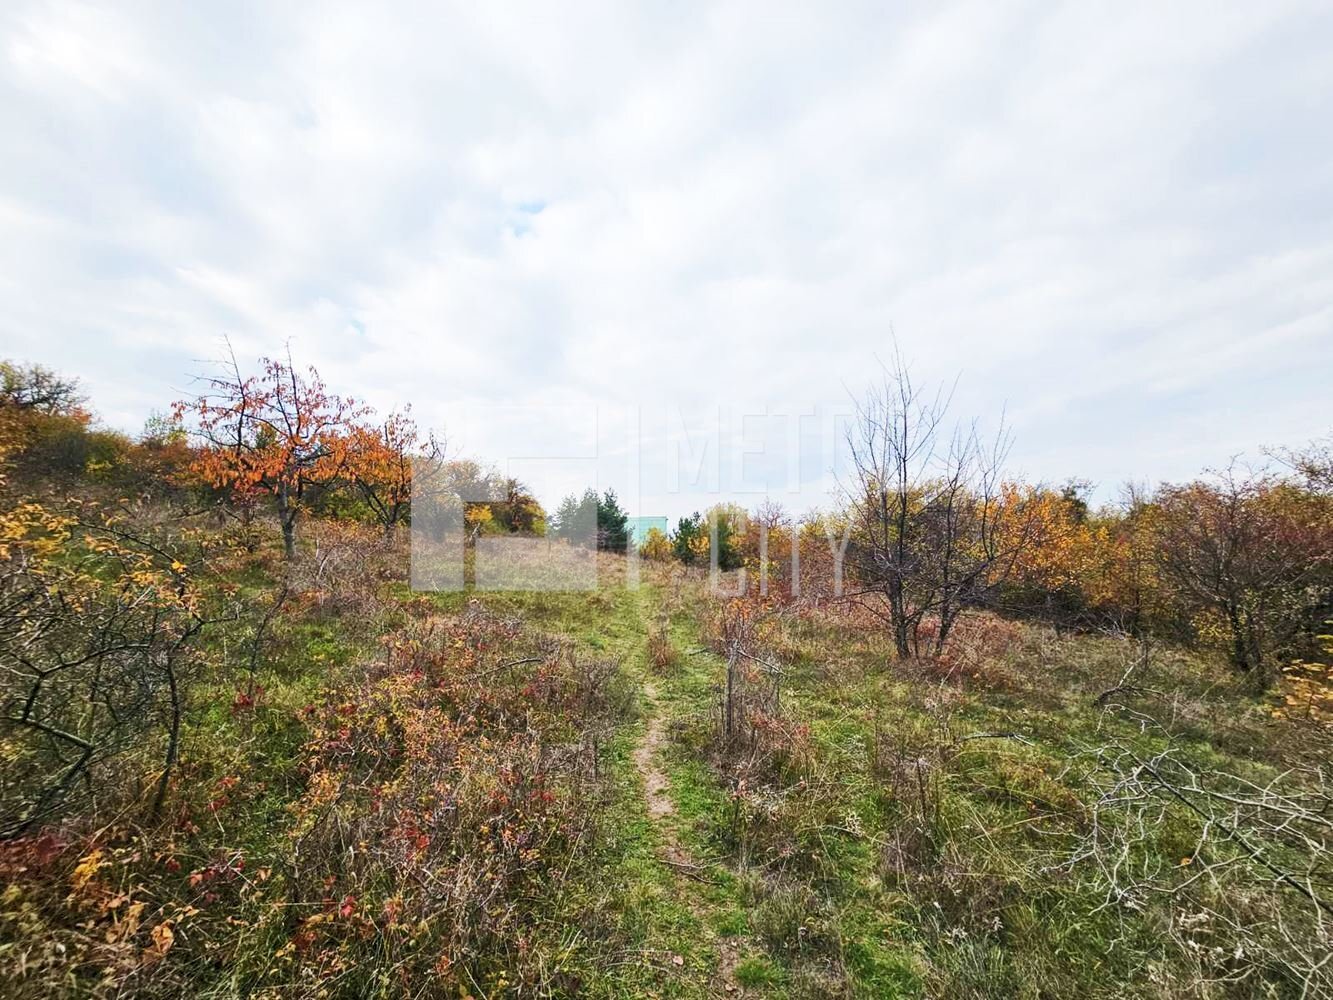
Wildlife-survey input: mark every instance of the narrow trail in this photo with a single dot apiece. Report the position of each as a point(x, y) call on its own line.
point(647, 758)
point(690, 876)
point(648, 755)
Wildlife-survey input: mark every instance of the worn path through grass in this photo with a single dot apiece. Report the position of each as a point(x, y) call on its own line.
point(681, 795)
point(675, 907)
point(673, 799)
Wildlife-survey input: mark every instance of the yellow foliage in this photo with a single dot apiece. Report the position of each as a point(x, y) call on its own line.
point(89, 865)
point(656, 545)
point(1307, 688)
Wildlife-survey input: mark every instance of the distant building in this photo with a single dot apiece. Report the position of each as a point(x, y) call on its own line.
point(638, 527)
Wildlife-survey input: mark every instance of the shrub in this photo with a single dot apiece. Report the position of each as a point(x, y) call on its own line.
point(656, 546)
point(661, 651)
point(98, 634)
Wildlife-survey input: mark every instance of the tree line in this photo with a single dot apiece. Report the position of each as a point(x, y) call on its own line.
point(926, 527)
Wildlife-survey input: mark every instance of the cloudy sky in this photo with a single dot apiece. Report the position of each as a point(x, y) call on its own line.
point(558, 231)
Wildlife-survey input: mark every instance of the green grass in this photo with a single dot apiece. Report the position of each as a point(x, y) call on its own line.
point(757, 971)
point(978, 914)
point(830, 899)
point(652, 912)
point(851, 869)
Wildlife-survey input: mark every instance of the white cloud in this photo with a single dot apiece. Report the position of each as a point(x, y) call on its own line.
point(1118, 222)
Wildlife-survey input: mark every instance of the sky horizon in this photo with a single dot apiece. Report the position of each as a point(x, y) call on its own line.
point(1114, 226)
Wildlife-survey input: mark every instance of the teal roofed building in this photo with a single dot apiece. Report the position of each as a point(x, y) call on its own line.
point(638, 527)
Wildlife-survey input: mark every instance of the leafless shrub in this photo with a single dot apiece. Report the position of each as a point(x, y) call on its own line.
point(1245, 862)
point(345, 570)
point(96, 652)
point(752, 686)
point(662, 653)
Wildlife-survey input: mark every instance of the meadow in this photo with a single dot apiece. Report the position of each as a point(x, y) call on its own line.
point(243, 757)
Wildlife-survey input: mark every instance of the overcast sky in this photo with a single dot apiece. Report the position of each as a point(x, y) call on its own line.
point(534, 223)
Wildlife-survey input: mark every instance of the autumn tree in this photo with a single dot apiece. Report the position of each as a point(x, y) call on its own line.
point(656, 546)
point(35, 389)
point(383, 457)
point(1058, 558)
point(765, 547)
point(1249, 558)
point(517, 511)
point(46, 427)
point(158, 462)
point(1314, 464)
point(276, 434)
point(727, 524)
point(1121, 577)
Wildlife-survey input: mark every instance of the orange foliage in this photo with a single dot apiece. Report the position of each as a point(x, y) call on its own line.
point(380, 461)
point(277, 433)
point(1058, 548)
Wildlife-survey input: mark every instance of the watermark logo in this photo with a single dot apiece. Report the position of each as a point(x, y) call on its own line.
point(707, 469)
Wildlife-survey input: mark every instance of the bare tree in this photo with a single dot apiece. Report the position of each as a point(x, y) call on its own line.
point(930, 536)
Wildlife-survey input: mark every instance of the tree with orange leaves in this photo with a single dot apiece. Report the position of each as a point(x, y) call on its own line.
point(382, 459)
point(277, 433)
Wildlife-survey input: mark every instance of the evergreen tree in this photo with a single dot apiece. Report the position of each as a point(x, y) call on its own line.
point(565, 517)
point(612, 523)
point(728, 539)
point(575, 519)
point(690, 538)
